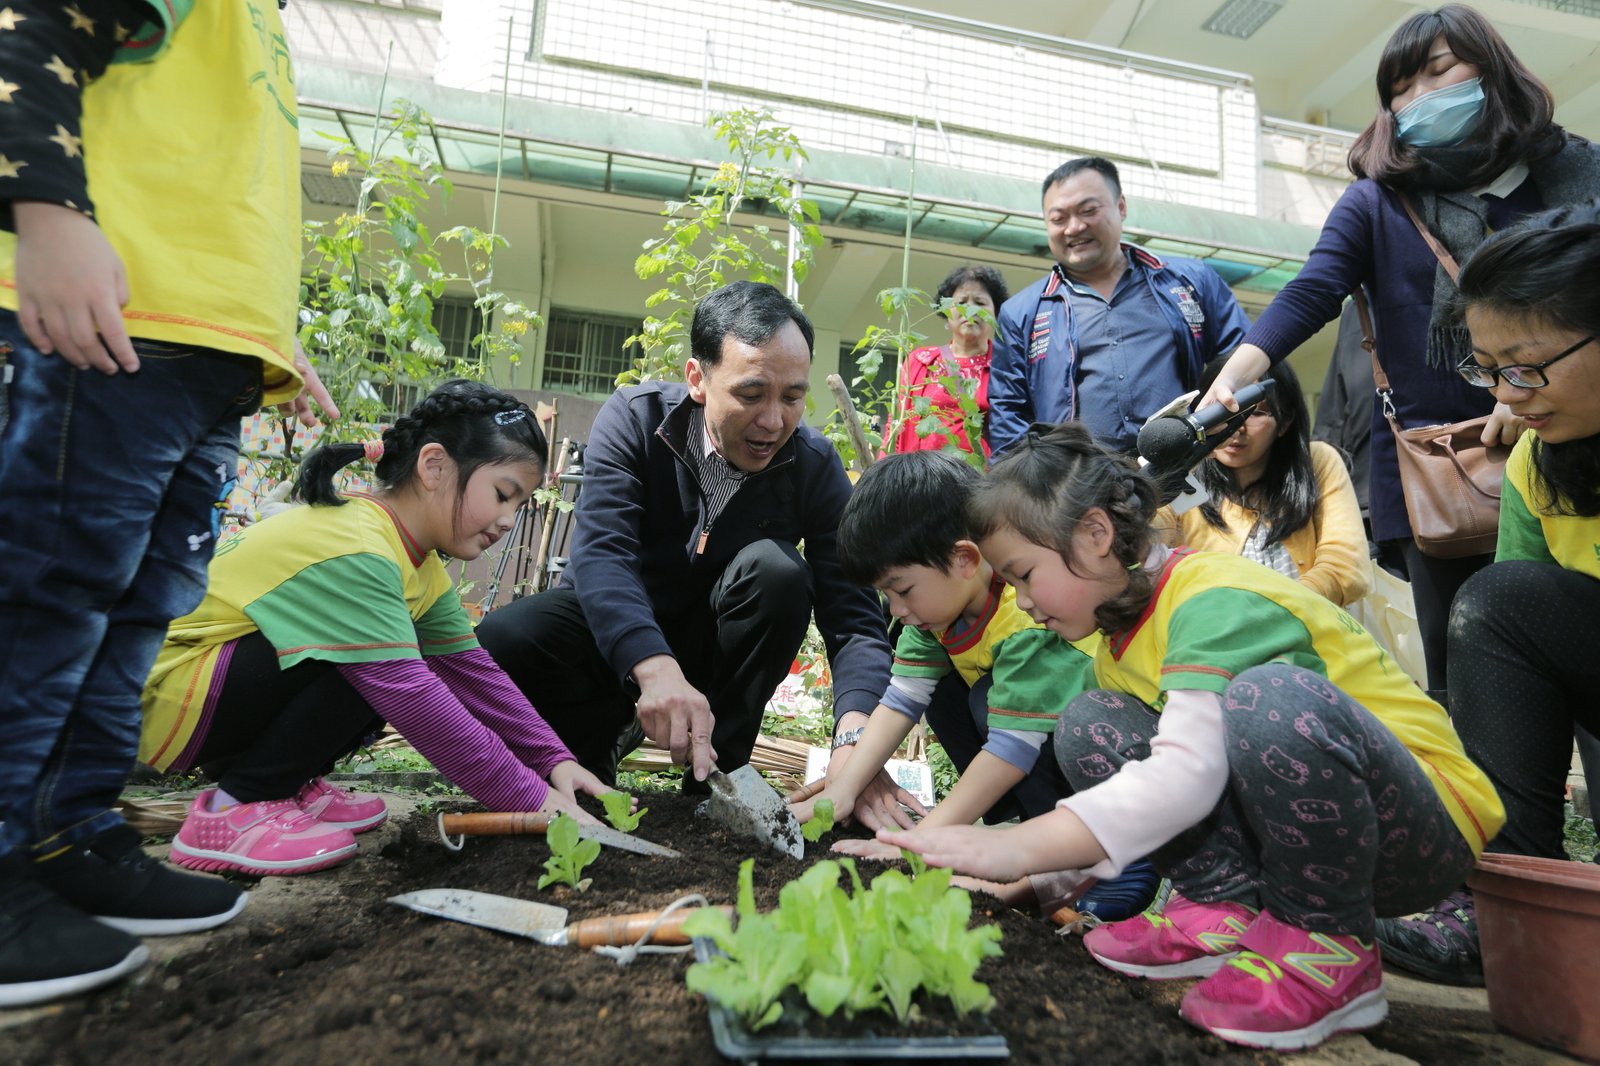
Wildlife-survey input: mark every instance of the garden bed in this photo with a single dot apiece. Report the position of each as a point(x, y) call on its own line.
point(346, 977)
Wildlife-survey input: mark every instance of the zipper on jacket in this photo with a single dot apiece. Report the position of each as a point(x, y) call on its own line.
point(700, 545)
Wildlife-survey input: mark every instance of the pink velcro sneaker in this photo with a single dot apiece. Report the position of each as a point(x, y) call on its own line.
point(332, 805)
point(266, 837)
point(1289, 989)
point(1185, 939)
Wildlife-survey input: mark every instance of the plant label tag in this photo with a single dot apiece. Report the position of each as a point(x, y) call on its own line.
point(915, 776)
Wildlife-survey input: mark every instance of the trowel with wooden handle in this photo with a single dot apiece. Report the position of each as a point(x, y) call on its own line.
point(543, 922)
point(520, 823)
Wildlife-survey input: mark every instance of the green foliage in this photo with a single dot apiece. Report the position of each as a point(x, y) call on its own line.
point(1581, 842)
point(619, 811)
point(372, 276)
point(569, 854)
point(945, 774)
point(873, 948)
point(882, 406)
point(821, 821)
point(703, 247)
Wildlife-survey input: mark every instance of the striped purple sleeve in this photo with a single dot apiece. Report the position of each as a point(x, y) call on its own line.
point(496, 701)
point(469, 753)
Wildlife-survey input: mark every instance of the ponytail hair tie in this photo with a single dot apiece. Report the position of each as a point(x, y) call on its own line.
point(372, 450)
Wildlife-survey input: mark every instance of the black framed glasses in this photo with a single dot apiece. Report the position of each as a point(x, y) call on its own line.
point(1529, 376)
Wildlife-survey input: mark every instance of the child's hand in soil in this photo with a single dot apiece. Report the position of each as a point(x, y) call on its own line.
point(1018, 894)
point(969, 849)
point(881, 804)
point(572, 780)
point(867, 849)
point(805, 809)
point(569, 780)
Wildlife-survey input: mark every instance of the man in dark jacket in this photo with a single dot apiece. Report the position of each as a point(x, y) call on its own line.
point(1112, 333)
point(687, 594)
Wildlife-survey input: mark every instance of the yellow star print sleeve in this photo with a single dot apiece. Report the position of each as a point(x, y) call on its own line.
point(49, 51)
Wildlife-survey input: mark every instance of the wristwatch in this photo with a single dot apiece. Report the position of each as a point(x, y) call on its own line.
point(848, 737)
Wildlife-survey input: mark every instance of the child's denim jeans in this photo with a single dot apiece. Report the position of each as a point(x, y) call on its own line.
point(108, 516)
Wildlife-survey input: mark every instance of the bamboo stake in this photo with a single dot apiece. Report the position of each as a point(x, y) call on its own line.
point(852, 424)
point(549, 521)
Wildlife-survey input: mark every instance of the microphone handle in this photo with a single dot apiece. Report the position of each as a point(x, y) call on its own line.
point(1209, 417)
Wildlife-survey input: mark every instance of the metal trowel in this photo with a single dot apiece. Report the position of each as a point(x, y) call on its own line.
point(541, 921)
point(744, 803)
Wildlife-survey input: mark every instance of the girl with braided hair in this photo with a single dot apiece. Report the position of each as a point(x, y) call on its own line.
point(325, 621)
point(1246, 733)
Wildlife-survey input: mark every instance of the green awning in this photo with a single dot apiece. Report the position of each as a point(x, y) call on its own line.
point(657, 160)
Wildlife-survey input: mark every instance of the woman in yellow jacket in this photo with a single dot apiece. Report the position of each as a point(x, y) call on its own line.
point(1282, 499)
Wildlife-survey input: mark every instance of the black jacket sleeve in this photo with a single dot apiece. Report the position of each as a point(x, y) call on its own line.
point(49, 51)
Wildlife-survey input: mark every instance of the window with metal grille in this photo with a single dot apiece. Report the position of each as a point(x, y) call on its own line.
point(457, 320)
point(584, 352)
point(869, 391)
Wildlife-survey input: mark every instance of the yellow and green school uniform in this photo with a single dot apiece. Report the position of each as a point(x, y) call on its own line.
point(341, 584)
point(1213, 616)
point(1035, 672)
point(1527, 532)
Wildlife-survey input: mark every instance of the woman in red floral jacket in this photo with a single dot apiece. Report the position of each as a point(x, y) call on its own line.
point(969, 288)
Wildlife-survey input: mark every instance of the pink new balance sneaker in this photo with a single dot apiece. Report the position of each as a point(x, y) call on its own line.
point(266, 837)
point(1185, 939)
point(332, 805)
point(1289, 989)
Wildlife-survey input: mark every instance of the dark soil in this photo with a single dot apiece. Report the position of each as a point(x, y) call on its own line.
point(352, 979)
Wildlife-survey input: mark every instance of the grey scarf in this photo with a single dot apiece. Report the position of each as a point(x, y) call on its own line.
point(1461, 222)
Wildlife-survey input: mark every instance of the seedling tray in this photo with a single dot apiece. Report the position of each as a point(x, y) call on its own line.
point(734, 1041)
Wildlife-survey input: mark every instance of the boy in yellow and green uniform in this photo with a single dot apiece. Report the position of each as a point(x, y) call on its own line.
point(990, 679)
point(149, 265)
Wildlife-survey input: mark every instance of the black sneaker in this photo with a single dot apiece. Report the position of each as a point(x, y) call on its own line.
point(48, 949)
point(113, 880)
point(1440, 944)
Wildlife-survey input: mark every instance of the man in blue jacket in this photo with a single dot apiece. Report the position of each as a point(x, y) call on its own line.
point(687, 594)
point(1112, 333)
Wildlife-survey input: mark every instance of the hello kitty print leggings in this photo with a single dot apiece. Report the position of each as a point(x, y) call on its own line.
point(1327, 819)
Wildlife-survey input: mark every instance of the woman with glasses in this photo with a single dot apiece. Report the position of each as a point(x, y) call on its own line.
point(1464, 136)
point(1282, 499)
point(1525, 632)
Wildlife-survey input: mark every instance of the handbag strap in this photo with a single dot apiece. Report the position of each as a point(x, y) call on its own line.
point(1446, 260)
point(1379, 378)
point(1440, 252)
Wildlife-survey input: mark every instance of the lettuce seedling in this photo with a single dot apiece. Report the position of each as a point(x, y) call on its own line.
point(821, 821)
point(762, 959)
point(874, 948)
point(619, 808)
point(569, 854)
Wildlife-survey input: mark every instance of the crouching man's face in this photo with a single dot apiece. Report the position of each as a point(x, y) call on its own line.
point(754, 395)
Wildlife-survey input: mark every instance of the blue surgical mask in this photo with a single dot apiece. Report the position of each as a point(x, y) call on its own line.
point(1441, 118)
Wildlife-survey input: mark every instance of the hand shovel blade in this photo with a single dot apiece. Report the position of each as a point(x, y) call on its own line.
point(744, 803)
point(519, 917)
point(616, 838)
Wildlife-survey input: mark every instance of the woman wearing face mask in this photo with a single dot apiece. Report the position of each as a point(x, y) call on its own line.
point(1464, 132)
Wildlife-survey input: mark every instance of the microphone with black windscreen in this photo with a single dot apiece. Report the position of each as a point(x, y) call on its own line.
point(1178, 441)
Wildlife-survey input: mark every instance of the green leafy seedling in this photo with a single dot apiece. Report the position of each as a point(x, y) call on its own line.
point(569, 854)
point(619, 808)
point(821, 821)
point(913, 860)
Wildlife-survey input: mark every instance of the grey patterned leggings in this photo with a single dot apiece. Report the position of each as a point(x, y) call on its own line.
point(1327, 819)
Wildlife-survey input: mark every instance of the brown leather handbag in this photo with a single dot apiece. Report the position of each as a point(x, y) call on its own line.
point(1450, 478)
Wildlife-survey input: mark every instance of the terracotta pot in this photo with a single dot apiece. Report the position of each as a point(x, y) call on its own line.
point(1539, 928)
